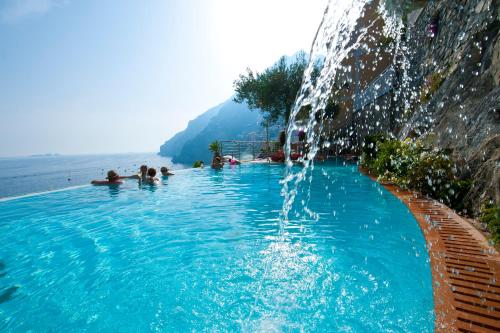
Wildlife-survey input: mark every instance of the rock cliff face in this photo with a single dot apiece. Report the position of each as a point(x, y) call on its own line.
point(227, 121)
point(445, 92)
point(463, 113)
point(175, 144)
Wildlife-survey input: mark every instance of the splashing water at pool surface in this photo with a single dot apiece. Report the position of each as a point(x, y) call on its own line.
point(348, 29)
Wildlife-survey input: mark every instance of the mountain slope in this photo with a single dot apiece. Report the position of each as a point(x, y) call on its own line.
point(227, 121)
point(194, 127)
point(233, 122)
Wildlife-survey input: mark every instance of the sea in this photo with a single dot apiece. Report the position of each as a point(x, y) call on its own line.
point(26, 175)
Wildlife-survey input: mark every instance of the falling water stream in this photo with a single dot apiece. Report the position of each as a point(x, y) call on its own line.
point(340, 34)
point(201, 252)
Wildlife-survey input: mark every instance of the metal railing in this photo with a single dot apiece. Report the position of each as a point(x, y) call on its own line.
point(248, 150)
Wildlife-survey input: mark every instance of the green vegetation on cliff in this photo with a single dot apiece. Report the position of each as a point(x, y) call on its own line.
point(412, 165)
point(491, 217)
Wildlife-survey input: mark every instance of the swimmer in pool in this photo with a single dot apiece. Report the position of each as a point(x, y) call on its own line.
point(233, 161)
point(217, 163)
point(165, 172)
point(151, 177)
point(113, 178)
point(143, 172)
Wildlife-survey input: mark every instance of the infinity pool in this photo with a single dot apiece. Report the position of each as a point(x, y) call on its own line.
point(201, 252)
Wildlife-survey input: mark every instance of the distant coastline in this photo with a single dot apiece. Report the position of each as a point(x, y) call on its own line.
point(45, 155)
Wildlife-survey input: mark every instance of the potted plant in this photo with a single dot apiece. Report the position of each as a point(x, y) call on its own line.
point(215, 148)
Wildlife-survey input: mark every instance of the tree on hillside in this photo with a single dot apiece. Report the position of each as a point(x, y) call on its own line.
point(274, 90)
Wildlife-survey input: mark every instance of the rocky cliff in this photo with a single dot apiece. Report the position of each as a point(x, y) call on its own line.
point(462, 113)
point(175, 144)
point(227, 121)
point(444, 91)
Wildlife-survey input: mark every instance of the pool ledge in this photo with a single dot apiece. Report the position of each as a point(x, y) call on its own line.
point(465, 268)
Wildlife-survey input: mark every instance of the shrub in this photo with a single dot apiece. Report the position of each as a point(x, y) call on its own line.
point(432, 175)
point(410, 165)
point(490, 215)
point(395, 159)
point(198, 164)
point(370, 144)
point(386, 41)
point(370, 148)
point(435, 175)
point(459, 189)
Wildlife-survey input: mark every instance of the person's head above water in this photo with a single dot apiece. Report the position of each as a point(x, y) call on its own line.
point(112, 176)
point(151, 172)
point(144, 170)
point(164, 171)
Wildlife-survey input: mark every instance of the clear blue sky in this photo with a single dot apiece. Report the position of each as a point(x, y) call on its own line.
point(104, 76)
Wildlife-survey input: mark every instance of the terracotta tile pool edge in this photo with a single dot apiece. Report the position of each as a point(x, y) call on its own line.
point(442, 228)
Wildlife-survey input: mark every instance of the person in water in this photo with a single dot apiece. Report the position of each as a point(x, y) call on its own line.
point(165, 172)
point(113, 178)
point(143, 172)
point(151, 177)
point(233, 161)
point(217, 163)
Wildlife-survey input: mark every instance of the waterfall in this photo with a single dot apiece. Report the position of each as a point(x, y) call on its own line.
point(348, 29)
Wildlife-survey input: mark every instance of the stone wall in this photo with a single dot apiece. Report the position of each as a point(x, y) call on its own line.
point(462, 115)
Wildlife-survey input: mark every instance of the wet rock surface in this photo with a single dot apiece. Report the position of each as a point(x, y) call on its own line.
point(463, 114)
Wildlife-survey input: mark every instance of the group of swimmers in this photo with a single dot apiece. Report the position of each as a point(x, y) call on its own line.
point(146, 175)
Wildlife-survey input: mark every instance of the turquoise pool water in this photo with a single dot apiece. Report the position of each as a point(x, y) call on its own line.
point(201, 252)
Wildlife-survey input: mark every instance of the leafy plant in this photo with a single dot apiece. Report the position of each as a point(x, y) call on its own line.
point(370, 144)
point(198, 164)
point(490, 216)
point(434, 174)
point(215, 147)
point(410, 165)
point(459, 188)
point(386, 41)
point(274, 90)
point(395, 159)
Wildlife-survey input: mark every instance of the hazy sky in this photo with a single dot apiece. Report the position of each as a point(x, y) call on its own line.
point(104, 76)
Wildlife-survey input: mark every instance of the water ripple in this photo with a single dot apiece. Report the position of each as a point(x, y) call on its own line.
point(201, 252)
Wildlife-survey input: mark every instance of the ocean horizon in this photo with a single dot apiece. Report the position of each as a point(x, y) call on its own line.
point(40, 173)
